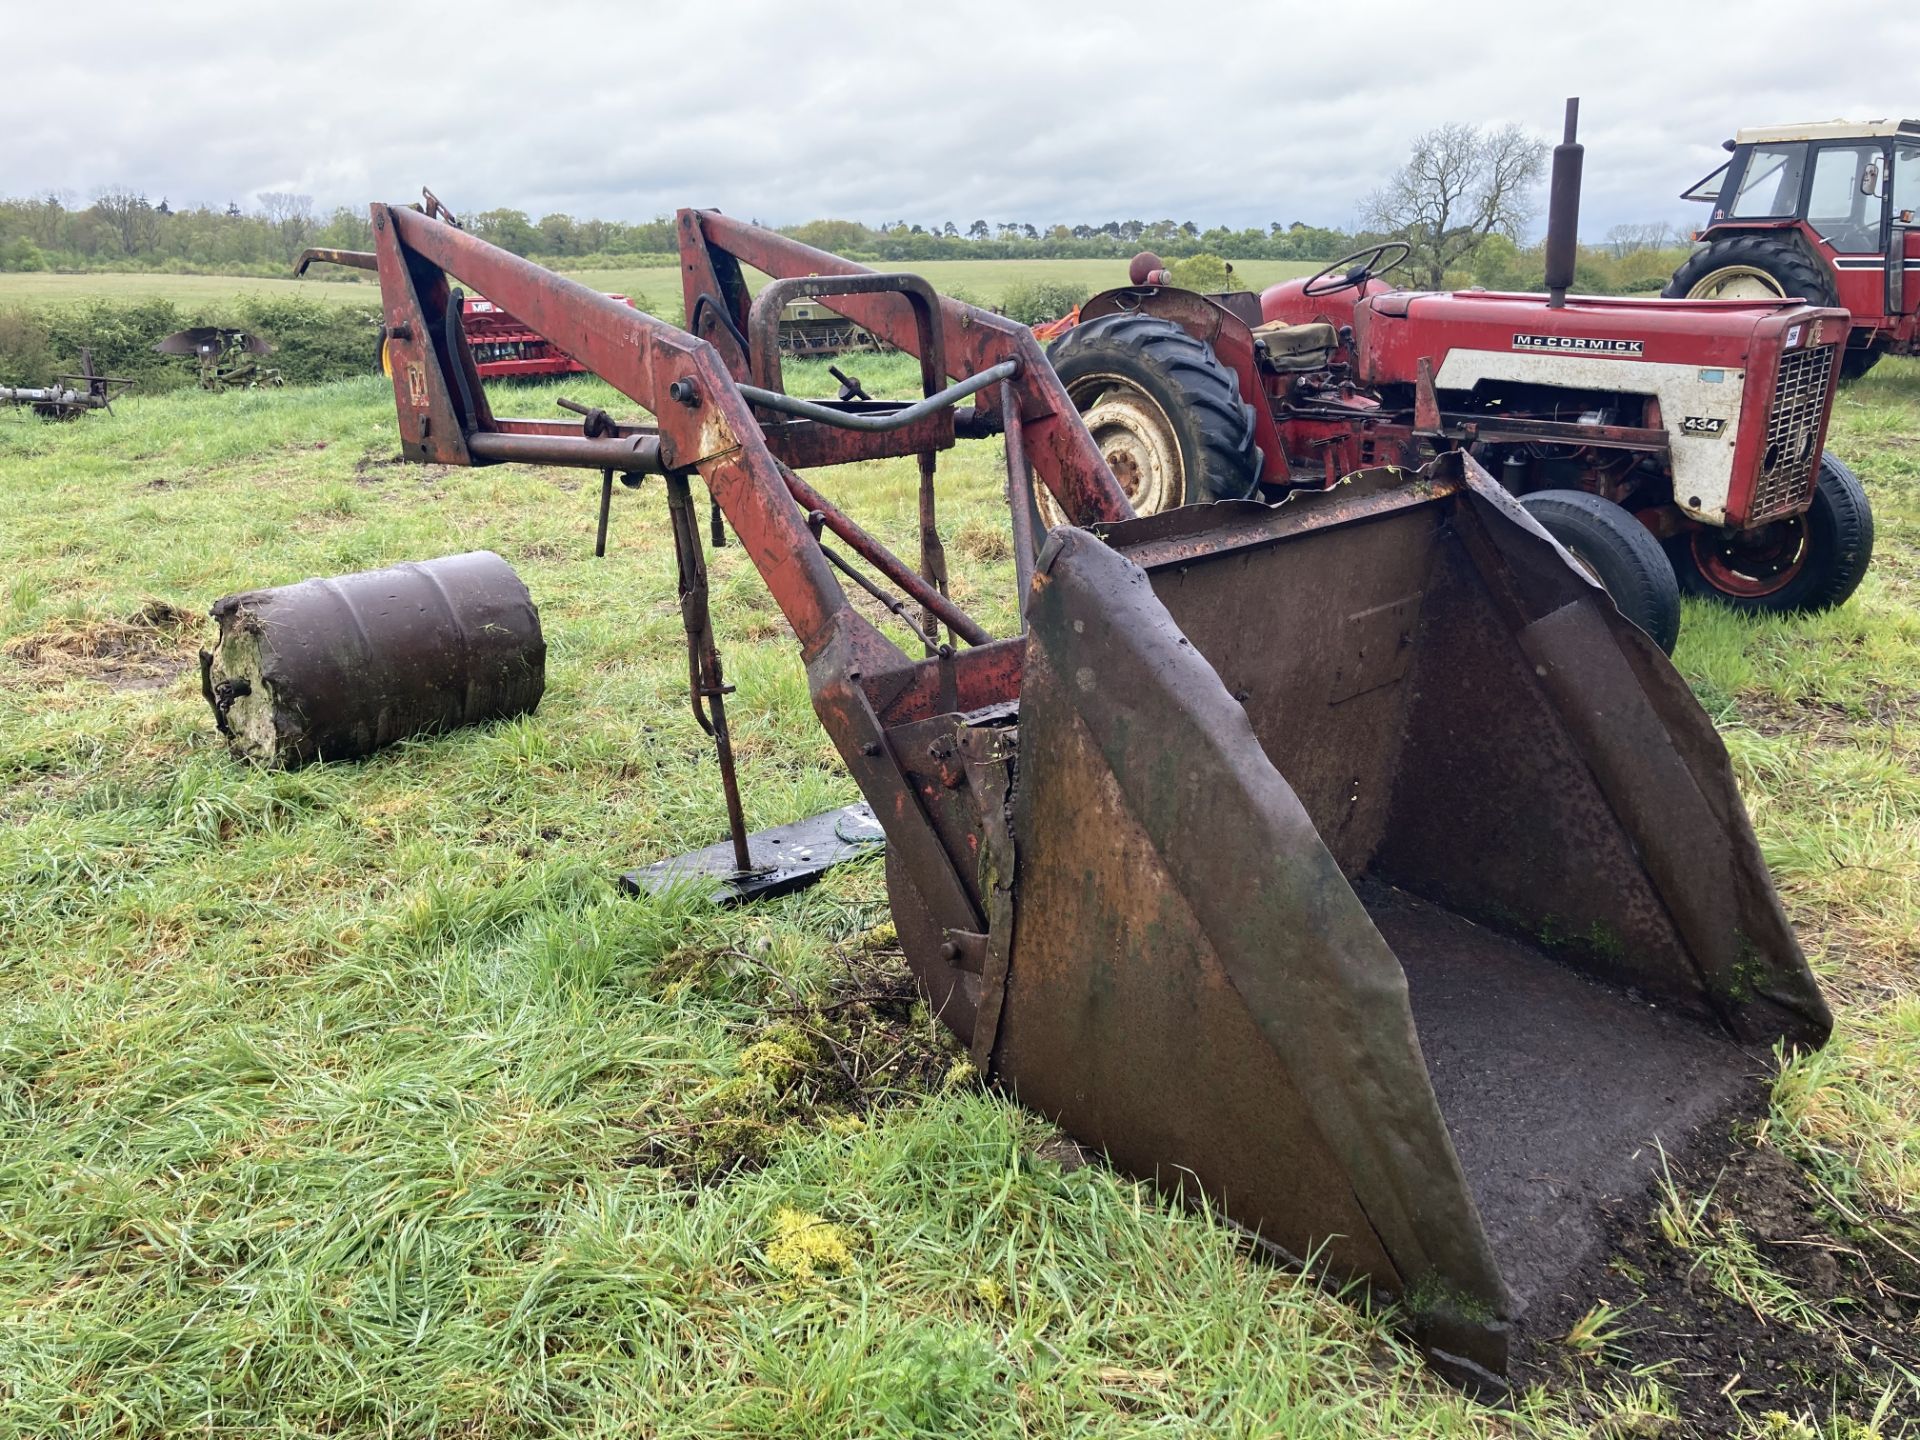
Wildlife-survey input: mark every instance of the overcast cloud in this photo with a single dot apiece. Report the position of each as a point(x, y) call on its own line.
point(1223, 113)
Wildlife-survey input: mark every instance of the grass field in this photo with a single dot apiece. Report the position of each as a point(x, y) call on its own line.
point(984, 281)
point(36, 288)
point(657, 286)
point(353, 1101)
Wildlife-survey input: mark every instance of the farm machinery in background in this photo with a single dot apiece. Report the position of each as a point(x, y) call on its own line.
point(506, 347)
point(503, 346)
point(1667, 444)
point(1409, 941)
point(229, 359)
point(1828, 213)
point(69, 396)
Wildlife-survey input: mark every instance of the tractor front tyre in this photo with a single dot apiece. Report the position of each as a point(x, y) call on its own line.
point(1859, 359)
point(1619, 552)
point(1800, 564)
point(1751, 267)
point(1165, 413)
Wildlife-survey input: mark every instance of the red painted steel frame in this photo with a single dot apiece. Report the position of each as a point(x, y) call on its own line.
point(714, 246)
point(861, 683)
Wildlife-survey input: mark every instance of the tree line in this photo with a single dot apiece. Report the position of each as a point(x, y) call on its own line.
point(125, 229)
point(1463, 201)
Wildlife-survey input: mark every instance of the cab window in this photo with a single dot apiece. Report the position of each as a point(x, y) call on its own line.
point(1848, 196)
point(1708, 188)
point(1906, 185)
point(1771, 185)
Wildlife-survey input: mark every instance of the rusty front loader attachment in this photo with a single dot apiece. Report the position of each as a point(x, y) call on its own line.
point(1405, 934)
point(1350, 862)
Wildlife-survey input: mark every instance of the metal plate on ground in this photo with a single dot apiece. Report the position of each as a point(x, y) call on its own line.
point(789, 857)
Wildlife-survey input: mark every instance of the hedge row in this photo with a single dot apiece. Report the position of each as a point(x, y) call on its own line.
point(312, 341)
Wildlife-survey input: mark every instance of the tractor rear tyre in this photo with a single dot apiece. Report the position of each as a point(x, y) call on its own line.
point(1618, 551)
point(1800, 564)
point(1760, 267)
point(1751, 267)
point(1165, 413)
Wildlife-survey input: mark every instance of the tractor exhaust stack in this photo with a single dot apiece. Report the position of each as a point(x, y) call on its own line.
point(1563, 210)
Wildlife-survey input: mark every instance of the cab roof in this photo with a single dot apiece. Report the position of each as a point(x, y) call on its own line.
point(1828, 130)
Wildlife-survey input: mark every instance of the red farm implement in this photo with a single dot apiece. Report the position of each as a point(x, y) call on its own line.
point(504, 347)
point(1363, 931)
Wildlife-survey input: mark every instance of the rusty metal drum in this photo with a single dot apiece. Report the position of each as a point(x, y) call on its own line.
point(334, 669)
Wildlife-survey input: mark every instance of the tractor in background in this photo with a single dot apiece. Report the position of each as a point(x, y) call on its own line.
point(1667, 445)
point(1823, 212)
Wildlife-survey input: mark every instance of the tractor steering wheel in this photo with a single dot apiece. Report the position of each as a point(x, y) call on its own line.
point(1373, 262)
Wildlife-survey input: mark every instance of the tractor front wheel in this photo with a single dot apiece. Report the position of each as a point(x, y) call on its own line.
point(1859, 359)
point(1165, 413)
point(1619, 552)
point(1807, 562)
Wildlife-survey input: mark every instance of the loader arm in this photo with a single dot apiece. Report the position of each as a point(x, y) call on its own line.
point(1411, 942)
point(714, 246)
point(324, 255)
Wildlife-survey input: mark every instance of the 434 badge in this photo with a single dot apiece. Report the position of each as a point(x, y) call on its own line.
point(1702, 425)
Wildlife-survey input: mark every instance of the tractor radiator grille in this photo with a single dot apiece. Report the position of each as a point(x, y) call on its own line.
point(1789, 457)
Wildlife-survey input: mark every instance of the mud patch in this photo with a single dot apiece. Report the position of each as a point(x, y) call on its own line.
point(822, 1063)
point(372, 469)
point(1883, 712)
point(1743, 1296)
point(147, 650)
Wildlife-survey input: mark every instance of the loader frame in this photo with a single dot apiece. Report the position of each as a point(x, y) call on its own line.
point(1272, 894)
point(700, 388)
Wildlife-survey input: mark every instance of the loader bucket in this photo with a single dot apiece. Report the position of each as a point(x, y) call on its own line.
point(1376, 877)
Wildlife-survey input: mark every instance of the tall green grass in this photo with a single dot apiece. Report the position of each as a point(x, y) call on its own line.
point(354, 1102)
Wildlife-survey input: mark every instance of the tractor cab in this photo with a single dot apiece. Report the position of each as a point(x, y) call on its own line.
point(1828, 212)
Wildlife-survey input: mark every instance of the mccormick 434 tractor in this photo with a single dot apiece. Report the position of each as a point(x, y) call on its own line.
point(1666, 444)
point(1825, 212)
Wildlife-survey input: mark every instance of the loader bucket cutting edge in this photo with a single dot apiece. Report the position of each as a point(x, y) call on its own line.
point(1404, 939)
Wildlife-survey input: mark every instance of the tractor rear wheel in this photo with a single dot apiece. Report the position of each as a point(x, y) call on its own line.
point(1165, 413)
point(1807, 562)
point(1751, 267)
point(1619, 552)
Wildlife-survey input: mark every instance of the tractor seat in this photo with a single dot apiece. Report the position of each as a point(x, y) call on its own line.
point(1296, 347)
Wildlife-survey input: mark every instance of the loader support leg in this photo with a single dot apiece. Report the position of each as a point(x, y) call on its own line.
point(1025, 515)
point(606, 511)
point(933, 556)
point(706, 685)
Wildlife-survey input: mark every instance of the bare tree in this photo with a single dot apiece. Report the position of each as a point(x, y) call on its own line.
point(291, 217)
point(1625, 240)
point(130, 217)
point(1460, 185)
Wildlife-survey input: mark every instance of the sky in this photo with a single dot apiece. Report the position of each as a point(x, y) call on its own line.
point(1224, 113)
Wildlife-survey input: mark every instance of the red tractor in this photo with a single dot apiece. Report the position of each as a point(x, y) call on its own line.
point(1825, 212)
point(1666, 444)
